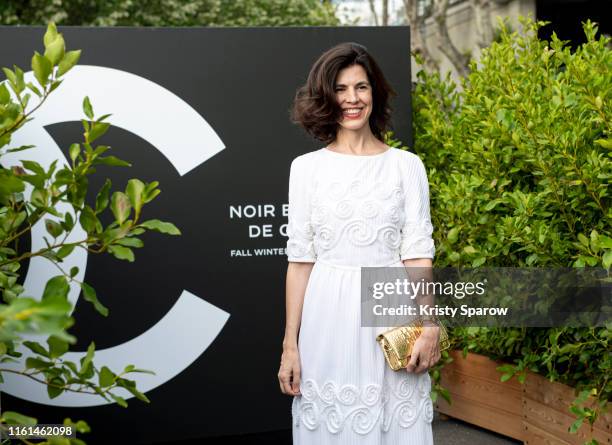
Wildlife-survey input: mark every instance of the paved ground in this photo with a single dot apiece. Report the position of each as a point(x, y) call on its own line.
point(456, 432)
point(446, 432)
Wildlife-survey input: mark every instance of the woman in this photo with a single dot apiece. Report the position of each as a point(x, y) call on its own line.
point(356, 202)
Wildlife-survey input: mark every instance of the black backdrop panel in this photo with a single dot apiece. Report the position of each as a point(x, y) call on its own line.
point(242, 81)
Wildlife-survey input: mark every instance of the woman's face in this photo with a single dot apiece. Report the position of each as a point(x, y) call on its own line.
point(354, 95)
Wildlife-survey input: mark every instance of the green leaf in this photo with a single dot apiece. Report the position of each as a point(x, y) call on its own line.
point(19, 75)
point(87, 108)
point(54, 389)
point(12, 78)
point(121, 253)
point(605, 242)
point(5, 96)
point(161, 226)
point(54, 228)
point(120, 206)
point(453, 235)
point(132, 368)
point(102, 198)
point(42, 68)
point(97, 130)
point(607, 259)
point(137, 394)
point(106, 377)
point(54, 85)
point(10, 75)
point(89, 293)
point(134, 191)
point(75, 149)
point(445, 395)
point(50, 34)
point(103, 117)
point(150, 191)
point(479, 261)
point(36, 363)
point(120, 400)
point(81, 426)
point(605, 143)
point(9, 184)
point(34, 166)
point(507, 368)
point(34, 89)
point(100, 149)
point(68, 221)
point(36, 348)
point(69, 60)
point(469, 250)
point(57, 346)
point(579, 262)
point(87, 360)
point(56, 288)
point(57, 440)
point(113, 161)
point(574, 427)
point(64, 251)
point(13, 418)
point(130, 242)
point(55, 50)
point(88, 219)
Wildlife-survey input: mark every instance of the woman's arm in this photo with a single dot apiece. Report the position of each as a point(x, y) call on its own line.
point(298, 274)
point(425, 272)
point(426, 350)
point(297, 279)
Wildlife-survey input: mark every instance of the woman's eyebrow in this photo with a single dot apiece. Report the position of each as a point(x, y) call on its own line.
point(362, 82)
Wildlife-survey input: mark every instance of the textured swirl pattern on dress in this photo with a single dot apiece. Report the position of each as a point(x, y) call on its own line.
point(417, 237)
point(300, 242)
point(343, 212)
point(337, 407)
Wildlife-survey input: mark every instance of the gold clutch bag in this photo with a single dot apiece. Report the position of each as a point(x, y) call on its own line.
point(397, 343)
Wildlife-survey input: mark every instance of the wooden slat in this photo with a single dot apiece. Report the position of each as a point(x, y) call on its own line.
point(556, 423)
point(546, 406)
point(483, 415)
point(495, 394)
point(535, 436)
point(477, 365)
point(478, 396)
point(559, 396)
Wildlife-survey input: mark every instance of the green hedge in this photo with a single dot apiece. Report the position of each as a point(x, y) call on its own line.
point(518, 160)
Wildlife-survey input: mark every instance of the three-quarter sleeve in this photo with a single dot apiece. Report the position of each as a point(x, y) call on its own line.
point(300, 245)
point(417, 241)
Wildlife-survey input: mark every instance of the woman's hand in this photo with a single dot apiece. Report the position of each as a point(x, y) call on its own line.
point(289, 372)
point(426, 350)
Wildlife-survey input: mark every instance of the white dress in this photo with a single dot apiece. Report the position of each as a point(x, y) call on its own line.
point(348, 211)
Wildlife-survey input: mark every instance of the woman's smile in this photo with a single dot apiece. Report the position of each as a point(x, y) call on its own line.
point(352, 113)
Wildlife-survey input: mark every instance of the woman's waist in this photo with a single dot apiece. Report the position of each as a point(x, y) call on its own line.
point(353, 265)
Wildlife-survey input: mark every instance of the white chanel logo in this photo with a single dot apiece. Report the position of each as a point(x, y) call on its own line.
point(186, 140)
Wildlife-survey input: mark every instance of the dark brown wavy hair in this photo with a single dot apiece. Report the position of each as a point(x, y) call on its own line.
point(315, 107)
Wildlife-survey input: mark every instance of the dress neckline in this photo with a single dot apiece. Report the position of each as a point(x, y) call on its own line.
point(326, 149)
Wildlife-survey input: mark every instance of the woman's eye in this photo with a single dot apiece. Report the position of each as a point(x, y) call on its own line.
point(360, 87)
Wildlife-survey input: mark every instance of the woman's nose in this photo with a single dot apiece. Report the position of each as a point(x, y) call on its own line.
point(351, 96)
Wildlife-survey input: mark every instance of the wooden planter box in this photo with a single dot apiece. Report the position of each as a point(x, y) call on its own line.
point(535, 413)
point(478, 397)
